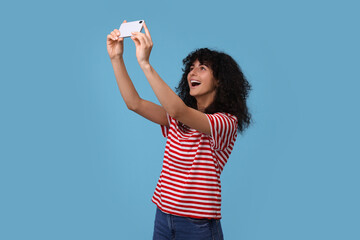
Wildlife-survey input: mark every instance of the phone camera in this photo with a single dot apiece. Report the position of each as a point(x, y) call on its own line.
point(140, 21)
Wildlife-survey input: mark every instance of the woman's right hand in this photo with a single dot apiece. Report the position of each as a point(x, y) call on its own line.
point(115, 44)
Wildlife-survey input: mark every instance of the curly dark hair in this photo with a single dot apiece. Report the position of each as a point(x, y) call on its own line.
point(233, 88)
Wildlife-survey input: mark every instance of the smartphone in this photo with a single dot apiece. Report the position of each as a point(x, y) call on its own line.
point(126, 28)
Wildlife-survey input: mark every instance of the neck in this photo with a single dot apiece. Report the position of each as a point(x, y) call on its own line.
point(204, 101)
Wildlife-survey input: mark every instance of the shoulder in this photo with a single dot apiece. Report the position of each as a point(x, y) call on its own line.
point(223, 117)
point(223, 130)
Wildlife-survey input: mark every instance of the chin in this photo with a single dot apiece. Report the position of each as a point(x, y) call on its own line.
point(192, 94)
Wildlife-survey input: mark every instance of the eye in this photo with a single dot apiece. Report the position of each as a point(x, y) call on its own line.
point(203, 68)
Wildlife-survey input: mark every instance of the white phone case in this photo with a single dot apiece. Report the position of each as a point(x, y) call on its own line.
point(126, 28)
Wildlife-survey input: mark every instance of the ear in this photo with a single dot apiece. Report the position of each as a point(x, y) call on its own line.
point(217, 82)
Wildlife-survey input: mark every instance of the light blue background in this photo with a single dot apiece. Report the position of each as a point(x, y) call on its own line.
point(76, 164)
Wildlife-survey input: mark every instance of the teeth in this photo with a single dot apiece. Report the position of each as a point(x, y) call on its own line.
point(195, 81)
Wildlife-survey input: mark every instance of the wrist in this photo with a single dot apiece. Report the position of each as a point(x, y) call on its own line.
point(145, 66)
point(117, 58)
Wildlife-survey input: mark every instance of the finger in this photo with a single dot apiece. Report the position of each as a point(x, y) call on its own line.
point(114, 35)
point(146, 40)
point(147, 32)
point(110, 37)
point(148, 36)
point(136, 41)
point(117, 36)
point(140, 37)
point(117, 31)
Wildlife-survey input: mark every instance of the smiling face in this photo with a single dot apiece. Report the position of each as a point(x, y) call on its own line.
point(202, 83)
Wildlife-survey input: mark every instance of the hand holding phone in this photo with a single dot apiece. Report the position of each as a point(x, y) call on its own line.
point(128, 27)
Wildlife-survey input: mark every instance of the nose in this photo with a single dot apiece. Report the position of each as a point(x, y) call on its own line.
point(193, 71)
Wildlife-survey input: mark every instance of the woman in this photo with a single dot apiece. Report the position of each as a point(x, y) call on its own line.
point(200, 124)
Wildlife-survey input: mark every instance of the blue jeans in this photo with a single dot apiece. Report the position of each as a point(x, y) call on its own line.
point(171, 227)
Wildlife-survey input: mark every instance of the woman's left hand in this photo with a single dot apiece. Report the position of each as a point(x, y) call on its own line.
point(143, 44)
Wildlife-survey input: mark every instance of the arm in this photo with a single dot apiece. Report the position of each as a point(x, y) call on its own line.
point(173, 103)
point(167, 97)
point(147, 109)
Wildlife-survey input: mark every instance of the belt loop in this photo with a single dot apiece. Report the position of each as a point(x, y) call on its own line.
point(168, 218)
point(212, 228)
point(172, 226)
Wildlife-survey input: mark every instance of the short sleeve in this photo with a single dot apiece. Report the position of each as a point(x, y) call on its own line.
point(223, 128)
point(165, 129)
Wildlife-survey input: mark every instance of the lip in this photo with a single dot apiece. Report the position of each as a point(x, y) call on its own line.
point(193, 79)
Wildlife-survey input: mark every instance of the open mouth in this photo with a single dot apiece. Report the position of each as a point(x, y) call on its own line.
point(195, 83)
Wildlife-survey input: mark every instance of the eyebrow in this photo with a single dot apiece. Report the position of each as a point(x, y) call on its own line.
point(205, 64)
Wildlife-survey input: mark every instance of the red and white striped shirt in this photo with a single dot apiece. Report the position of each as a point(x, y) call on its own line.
point(189, 183)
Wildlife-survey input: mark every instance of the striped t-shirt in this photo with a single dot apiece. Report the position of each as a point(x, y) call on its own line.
point(189, 183)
